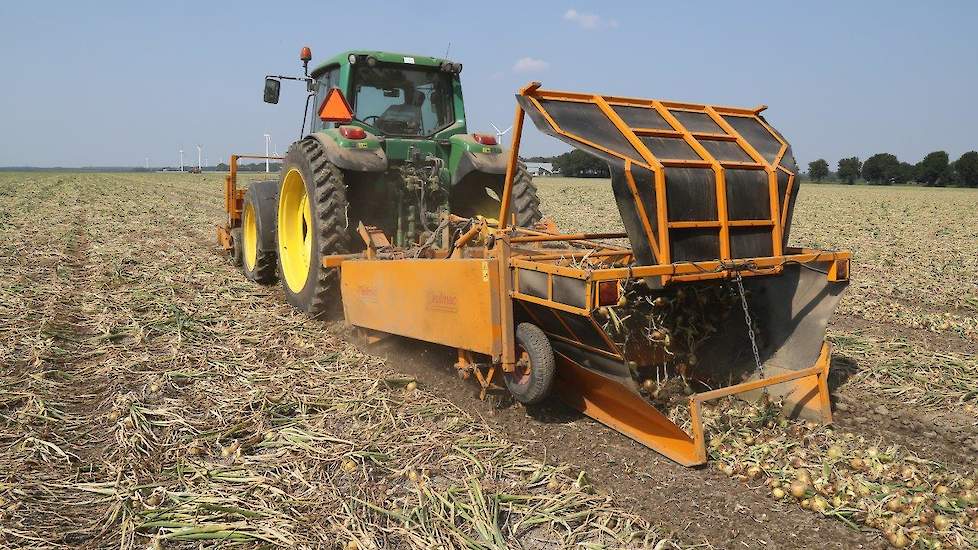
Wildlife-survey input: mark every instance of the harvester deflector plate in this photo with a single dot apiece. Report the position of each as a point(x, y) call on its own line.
point(693, 182)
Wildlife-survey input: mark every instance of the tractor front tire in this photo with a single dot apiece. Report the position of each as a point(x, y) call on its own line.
point(312, 223)
point(258, 224)
point(533, 377)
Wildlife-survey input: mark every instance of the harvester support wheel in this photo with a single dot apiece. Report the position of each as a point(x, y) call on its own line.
point(258, 223)
point(525, 202)
point(533, 376)
point(236, 252)
point(312, 223)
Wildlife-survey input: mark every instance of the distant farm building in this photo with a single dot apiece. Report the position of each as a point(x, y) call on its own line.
point(540, 169)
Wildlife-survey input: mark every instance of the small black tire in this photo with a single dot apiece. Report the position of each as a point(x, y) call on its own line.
point(532, 379)
point(260, 214)
point(236, 253)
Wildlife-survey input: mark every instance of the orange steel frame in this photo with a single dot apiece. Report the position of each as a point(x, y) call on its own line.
point(658, 237)
point(509, 250)
point(234, 200)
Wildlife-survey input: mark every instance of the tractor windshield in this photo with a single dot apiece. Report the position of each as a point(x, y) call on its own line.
point(403, 100)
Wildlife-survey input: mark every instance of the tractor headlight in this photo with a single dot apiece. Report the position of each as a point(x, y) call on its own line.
point(352, 59)
point(372, 61)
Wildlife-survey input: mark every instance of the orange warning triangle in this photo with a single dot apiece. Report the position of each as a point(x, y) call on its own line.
point(335, 108)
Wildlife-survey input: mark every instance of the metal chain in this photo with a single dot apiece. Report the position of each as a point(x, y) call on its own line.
point(750, 325)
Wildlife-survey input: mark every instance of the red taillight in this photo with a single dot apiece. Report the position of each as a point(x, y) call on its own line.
point(352, 132)
point(607, 293)
point(484, 139)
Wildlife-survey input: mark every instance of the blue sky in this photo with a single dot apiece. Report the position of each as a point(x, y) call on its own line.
point(110, 83)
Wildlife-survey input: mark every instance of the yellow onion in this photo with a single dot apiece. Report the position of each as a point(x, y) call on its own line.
point(835, 452)
point(412, 385)
point(777, 493)
point(803, 476)
point(941, 522)
point(348, 466)
point(819, 504)
point(898, 539)
point(895, 504)
point(798, 489)
point(857, 463)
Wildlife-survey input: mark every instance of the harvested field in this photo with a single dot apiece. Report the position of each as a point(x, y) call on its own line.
point(149, 395)
point(905, 366)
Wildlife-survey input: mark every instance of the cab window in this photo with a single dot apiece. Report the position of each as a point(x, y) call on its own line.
point(403, 100)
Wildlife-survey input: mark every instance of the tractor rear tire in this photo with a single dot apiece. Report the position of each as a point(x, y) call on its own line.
point(236, 243)
point(525, 203)
point(258, 224)
point(531, 380)
point(312, 223)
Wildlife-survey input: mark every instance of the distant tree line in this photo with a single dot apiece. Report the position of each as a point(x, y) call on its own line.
point(934, 170)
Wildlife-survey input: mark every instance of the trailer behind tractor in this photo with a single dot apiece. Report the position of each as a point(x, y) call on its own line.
point(435, 234)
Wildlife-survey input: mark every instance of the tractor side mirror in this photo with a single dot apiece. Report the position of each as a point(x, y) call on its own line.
point(272, 88)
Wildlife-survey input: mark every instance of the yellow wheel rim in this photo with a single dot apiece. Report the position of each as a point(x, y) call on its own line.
point(249, 231)
point(294, 231)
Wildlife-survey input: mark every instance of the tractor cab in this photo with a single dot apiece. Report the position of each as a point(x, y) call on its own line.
point(392, 129)
point(396, 97)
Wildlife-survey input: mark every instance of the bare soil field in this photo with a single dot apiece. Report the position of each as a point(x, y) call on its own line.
point(151, 396)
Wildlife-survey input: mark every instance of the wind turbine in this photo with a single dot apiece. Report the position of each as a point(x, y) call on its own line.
point(181, 160)
point(199, 149)
point(499, 134)
point(268, 139)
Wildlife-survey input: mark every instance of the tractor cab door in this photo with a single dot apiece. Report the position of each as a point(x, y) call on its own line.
point(324, 82)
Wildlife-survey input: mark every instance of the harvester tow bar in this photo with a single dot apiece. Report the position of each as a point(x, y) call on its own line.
point(750, 326)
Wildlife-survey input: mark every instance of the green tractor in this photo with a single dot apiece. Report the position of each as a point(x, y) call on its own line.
point(387, 148)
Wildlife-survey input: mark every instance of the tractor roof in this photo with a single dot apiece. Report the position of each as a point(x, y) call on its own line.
point(384, 57)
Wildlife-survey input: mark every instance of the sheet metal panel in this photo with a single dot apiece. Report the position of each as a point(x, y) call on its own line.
point(448, 302)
